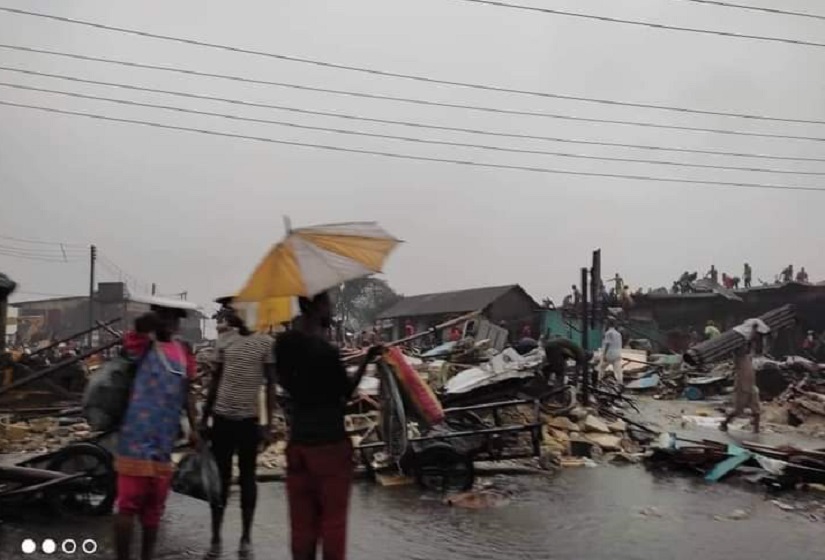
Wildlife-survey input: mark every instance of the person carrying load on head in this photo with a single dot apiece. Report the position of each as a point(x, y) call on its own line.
point(143, 461)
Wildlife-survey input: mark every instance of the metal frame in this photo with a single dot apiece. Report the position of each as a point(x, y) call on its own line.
point(534, 428)
point(34, 479)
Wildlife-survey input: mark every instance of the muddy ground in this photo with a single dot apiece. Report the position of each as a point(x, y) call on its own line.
point(606, 512)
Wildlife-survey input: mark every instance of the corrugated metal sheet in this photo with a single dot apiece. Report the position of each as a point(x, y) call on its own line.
point(462, 301)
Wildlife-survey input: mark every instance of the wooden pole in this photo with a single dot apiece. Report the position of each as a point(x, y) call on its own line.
point(92, 261)
point(4, 306)
point(585, 381)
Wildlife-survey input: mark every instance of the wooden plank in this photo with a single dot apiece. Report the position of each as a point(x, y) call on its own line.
point(43, 485)
point(25, 474)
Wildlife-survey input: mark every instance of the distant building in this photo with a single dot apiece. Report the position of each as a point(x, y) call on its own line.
point(508, 305)
point(672, 315)
point(55, 318)
point(11, 325)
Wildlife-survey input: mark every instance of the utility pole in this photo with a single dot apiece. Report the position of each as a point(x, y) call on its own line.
point(7, 286)
point(92, 261)
point(585, 372)
point(154, 288)
point(597, 303)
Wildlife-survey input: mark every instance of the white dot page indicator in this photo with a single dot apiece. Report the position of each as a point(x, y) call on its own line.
point(67, 546)
point(28, 546)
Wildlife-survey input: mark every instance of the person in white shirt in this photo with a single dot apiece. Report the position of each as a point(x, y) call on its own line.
point(612, 353)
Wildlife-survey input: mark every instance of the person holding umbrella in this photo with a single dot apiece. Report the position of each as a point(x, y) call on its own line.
point(319, 452)
point(306, 264)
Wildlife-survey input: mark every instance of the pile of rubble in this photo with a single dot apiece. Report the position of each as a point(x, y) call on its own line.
point(670, 378)
point(783, 467)
point(801, 405)
point(41, 434)
point(582, 437)
point(273, 457)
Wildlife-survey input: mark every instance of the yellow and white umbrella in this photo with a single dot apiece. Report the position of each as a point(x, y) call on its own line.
point(314, 259)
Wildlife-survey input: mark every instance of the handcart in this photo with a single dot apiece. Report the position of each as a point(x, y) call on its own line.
point(79, 478)
point(443, 456)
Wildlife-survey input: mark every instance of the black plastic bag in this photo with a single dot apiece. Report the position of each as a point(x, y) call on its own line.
point(197, 476)
point(106, 397)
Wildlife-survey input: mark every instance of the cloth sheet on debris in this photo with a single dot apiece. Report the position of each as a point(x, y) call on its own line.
point(746, 328)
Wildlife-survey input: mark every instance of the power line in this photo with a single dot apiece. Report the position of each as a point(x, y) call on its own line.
point(774, 11)
point(404, 138)
point(395, 122)
point(38, 250)
point(58, 253)
point(666, 126)
point(392, 97)
point(118, 271)
point(412, 157)
point(56, 249)
point(40, 258)
point(731, 34)
point(415, 77)
point(115, 274)
point(40, 242)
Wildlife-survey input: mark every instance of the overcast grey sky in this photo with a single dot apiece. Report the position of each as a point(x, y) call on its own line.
point(194, 212)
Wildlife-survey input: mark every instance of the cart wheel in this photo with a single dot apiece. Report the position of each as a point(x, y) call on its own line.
point(96, 492)
point(441, 468)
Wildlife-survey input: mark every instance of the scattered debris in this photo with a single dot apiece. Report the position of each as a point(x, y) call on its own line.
point(623, 458)
point(735, 515)
point(783, 506)
point(594, 424)
point(617, 426)
point(41, 434)
point(563, 423)
point(606, 441)
point(650, 511)
point(481, 499)
point(550, 461)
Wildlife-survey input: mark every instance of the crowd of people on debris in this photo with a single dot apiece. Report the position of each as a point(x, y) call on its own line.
point(620, 294)
point(731, 282)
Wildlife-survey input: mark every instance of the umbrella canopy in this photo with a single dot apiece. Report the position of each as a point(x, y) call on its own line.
point(314, 259)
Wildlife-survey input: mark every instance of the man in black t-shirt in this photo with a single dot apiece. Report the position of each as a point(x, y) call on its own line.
point(319, 453)
point(557, 351)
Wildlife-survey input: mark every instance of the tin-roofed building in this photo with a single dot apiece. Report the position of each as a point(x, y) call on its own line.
point(509, 306)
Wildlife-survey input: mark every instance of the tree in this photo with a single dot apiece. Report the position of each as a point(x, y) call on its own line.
point(358, 302)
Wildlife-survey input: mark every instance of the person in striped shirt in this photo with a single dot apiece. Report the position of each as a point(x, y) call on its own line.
point(242, 367)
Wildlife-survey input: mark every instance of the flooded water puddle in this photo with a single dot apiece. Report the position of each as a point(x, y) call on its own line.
point(605, 513)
